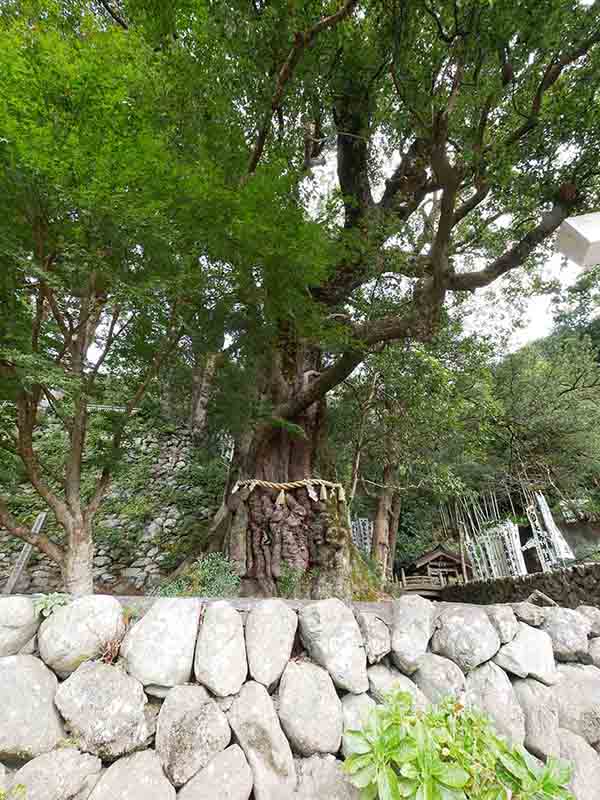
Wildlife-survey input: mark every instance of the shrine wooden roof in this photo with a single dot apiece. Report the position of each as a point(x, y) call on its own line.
point(438, 552)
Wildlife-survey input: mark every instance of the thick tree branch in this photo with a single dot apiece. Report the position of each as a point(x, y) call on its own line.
point(551, 74)
point(327, 380)
point(405, 191)
point(418, 322)
point(352, 119)
point(26, 416)
point(66, 327)
point(514, 257)
point(302, 41)
point(409, 183)
point(114, 15)
point(41, 542)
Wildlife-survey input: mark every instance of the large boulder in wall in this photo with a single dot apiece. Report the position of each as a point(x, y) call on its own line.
point(387, 680)
point(593, 614)
point(569, 631)
point(528, 613)
point(227, 777)
point(258, 731)
point(106, 710)
point(578, 698)
point(331, 635)
point(159, 649)
point(465, 635)
point(309, 709)
point(412, 627)
point(489, 689)
point(321, 777)
point(376, 636)
point(540, 708)
point(220, 662)
point(356, 709)
point(19, 622)
point(585, 781)
point(190, 731)
point(529, 655)
point(270, 630)
point(438, 678)
point(136, 777)
point(29, 722)
point(79, 632)
point(62, 774)
point(504, 621)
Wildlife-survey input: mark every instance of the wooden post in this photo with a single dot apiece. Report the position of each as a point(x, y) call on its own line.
point(403, 576)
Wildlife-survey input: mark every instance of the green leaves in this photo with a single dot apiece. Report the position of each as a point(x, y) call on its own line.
point(387, 784)
point(446, 753)
point(452, 776)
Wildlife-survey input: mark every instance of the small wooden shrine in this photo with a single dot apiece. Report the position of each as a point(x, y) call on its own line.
point(434, 570)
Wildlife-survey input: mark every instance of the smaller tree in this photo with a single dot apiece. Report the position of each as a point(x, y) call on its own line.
point(88, 247)
point(417, 414)
point(547, 429)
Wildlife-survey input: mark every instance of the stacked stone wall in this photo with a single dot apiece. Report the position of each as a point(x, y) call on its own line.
point(571, 587)
point(141, 532)
point(152, 698)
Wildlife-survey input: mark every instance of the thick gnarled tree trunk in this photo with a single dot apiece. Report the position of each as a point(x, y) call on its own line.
point(308, 535)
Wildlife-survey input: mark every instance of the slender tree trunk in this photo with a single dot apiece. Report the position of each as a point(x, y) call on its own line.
point(355, 472)
point(394, 522)
point(267, 534)
point(203, 379)
point(381, 528)
point(360, 440)
point(78, 574)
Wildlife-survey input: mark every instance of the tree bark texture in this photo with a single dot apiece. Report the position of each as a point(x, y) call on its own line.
point(381, 526)
point(394, 523)
point(301, 534)
point(77, 568)
point(203, 379)
point(385, 527)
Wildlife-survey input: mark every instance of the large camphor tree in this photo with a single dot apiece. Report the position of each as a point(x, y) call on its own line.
point(461, 134)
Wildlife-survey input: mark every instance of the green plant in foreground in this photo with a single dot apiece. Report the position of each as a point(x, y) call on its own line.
point(48, 603)
point(445, 753)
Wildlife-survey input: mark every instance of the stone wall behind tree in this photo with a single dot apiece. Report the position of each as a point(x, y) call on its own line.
point(218, 699)
point(158, 505)
point(571, 587)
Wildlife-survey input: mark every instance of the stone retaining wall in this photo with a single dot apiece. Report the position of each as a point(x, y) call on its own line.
point(215, 700)
point(570, 587)
point(139, 537)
